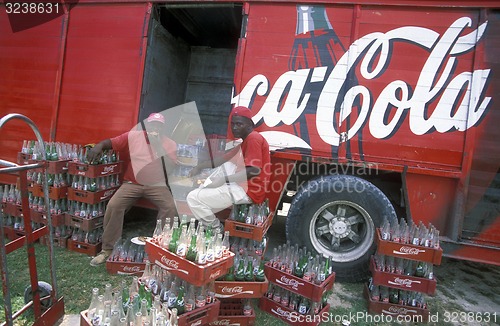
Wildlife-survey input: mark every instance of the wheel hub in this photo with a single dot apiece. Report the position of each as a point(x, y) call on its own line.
point(339, 228)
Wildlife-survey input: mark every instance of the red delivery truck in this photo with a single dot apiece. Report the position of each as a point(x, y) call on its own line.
point(373, 109)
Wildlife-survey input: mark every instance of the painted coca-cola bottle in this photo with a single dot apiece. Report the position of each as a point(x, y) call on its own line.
point(317, 44)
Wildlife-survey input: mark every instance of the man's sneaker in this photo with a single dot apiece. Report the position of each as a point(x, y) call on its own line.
point(100, 258)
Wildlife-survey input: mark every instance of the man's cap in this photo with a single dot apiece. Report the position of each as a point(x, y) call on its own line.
point(158, 117)
point(241, 111)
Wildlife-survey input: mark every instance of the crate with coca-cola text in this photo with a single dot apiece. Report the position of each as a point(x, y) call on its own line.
point(91, 197)
point(124, 267)
point(231, 313)
point(393, 309)
point(190, 272)
point(236, 289)
point(403, 282)
point(12, 209)
point(94, 171)
point(83, 247)
point(248, 231)
point(52, 167)
point(83, 223)
point(200, 316)
point(408, 251)
point(291, 316)
point(299, 285)
point(41, 217)
point(54, 192)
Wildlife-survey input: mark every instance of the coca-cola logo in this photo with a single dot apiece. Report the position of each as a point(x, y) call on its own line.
point(215, 274)
point(234, 289)
point(132, 269)
point(198, 322)
point(293, 283)
point(439, 84)
point(395, 310)
point(225, 322)
point(408, 251)
point(170, 263)
point(108, 169)
point(403, 282)
point(281, 313)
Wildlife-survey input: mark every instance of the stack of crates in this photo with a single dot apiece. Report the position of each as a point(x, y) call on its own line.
point(91, 188)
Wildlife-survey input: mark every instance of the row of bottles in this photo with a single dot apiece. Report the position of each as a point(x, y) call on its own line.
point(155, 298)
point(54, 151)
point(90, 237)
point(246, 268)
point(10, 194)
point(125, 250)
point(294, 301)
point(73, 207)
point(411, 233)
point(301, 263)
point(254, 214)
point(87, 211)
point(242, 245)
point(57, 180)
point(57, 151)
point(95, 184)
point(190, 241)
point(175, 292)
point(395, 296)
point(17, 222)
point(56, 206)
point(402, 266)
point(128, 306)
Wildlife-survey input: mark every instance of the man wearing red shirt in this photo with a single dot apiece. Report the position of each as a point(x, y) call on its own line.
point(249, 182)
point(147, 155)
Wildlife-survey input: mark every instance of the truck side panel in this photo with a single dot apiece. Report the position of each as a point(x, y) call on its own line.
point(102, 55)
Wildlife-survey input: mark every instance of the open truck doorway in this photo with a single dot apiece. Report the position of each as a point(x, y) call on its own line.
point(190, 56)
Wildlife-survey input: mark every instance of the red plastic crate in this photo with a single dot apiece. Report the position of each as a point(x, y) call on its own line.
point(230, 289)
point(386, 308)
point(54, 193)
point(298, 285)
point(39, 217)
point(200, 316)
point(402, 282)
point(84, 248)
point(85, 224)
point(84, 321)
point(185, 269)
point(12, 209)
point(248, 231)
point(90, 197)
point(289, 316)
point(94, 171)
point(231, 313)
point(408, 251)
point(53, 167)
point(11, 233)
point(125, 267)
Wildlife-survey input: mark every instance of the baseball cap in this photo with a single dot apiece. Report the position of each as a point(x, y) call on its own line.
point(241, 111)
point(158, 117)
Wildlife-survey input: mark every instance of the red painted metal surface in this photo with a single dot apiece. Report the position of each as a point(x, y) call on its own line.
point(104, 53)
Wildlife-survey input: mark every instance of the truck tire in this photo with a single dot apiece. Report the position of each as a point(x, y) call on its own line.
point(336, 216)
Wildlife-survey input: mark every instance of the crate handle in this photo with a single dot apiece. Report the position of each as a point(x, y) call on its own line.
point(197, 315)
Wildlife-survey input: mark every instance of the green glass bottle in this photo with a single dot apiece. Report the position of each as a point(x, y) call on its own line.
point(239, 275)
point(192, 251)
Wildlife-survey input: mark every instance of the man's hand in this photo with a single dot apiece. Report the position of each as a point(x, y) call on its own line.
point(216, 182)
point(195, 171)
point(94, 152)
